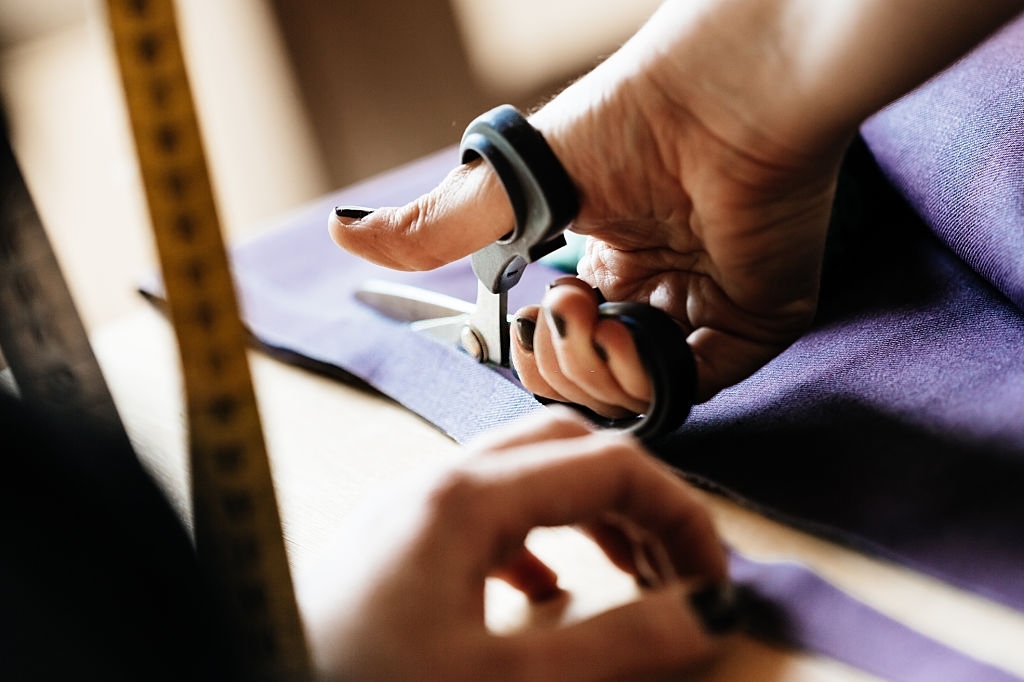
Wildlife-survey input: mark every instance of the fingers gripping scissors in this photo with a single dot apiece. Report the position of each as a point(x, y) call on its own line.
point(544, 201)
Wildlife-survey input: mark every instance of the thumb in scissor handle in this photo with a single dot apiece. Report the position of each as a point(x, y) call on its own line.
point(542, 195)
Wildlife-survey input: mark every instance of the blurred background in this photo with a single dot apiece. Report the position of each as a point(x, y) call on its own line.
point(296, 98)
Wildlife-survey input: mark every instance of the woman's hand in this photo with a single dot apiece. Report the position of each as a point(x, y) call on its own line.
point(706, 153)
point(403, 596)
point(687, 207)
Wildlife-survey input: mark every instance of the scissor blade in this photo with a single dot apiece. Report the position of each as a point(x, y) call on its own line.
point(408, 303)
point(447, 330)
point(489, 322)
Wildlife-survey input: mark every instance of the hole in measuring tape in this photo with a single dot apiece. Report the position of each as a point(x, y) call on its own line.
point(224, 408)
point(24, 287)
point(228, 458)
point(195, 270)
point(148, 47)
point(167, 138)
point(177, 183)
point(139, 7)
point(215, 360)
point(205, 315)
point(184, 226)
point(61, 385)
point(238, 506)
point(41, 330)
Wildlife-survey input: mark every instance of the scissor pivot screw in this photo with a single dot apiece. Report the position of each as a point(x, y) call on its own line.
point(473, 343)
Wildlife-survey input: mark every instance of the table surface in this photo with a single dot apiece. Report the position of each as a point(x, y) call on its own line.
point(332, 444)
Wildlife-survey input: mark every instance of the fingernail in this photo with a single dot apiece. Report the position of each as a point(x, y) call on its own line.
point(525, 328)
point(566, 279)
point(601, 352)
point(717, 608)
point(557, 321)
point(350, 214)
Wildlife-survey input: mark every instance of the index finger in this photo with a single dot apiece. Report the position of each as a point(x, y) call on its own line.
point(579, 480)
point(466, 212)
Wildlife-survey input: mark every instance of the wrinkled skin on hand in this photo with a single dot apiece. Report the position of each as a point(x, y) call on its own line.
point(709, 202)
point(706, 152)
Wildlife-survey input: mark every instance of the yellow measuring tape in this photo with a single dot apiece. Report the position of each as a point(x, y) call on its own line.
point(235, 516)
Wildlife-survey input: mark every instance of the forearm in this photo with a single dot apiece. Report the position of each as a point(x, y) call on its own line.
point(800, 75)
point(856, 56)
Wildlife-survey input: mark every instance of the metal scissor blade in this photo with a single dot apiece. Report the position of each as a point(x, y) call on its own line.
point(489, 323)
point(408, 303)
point(480, 328)
point(447, 330)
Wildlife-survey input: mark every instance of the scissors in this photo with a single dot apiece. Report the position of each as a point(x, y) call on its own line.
point(544, 201)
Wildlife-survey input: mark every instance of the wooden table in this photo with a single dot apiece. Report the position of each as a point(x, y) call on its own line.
point(332, 444)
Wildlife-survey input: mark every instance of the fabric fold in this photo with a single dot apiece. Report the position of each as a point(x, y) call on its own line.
point(954, 147)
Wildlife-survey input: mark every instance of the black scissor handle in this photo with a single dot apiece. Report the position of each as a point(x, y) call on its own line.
point(668, 361)
point(542, 195)
point(545, 201)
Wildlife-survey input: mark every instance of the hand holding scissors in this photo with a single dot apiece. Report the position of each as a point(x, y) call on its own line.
point(544, 202)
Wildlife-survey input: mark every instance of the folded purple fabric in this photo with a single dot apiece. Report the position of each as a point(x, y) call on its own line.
point(955, 148)
point(896, 424)
point(790, 605)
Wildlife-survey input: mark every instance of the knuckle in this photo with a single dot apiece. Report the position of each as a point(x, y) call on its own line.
point(455, 494)
point(551, 371)
point(619, 451)
point(574, 368)
point(417, 225)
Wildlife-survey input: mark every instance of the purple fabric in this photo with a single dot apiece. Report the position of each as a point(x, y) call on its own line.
point(896, 424)
point(899, 420)
point(955, 148)
point(795, 607)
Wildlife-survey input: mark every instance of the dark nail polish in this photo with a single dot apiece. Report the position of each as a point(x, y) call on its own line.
point(558, 322)
point(560, 281)
point(717, 607)
point(353, 212)
point(601, 352)
point(525, 328)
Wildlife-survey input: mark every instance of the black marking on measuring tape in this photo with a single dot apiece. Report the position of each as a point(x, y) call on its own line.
point(235, 516)
point(42, 336)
